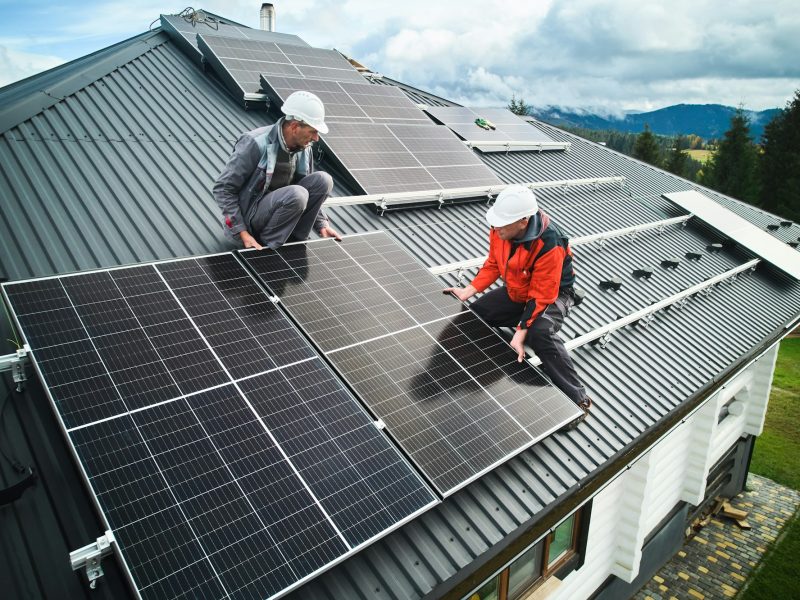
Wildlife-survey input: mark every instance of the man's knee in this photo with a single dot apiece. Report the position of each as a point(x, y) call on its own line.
point(319, 180)
point(540, 335)
point(295, 198)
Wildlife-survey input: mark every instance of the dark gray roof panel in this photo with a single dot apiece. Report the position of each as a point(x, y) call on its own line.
point(106, 176)
point(119, 170)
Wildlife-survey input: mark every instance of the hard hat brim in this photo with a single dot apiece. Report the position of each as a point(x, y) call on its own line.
point(495, 220)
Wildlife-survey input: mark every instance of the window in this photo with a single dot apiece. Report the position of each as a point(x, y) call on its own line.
point(534, 566)
point(725, 410)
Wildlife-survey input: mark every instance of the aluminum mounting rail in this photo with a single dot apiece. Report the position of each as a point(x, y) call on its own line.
point(386, 200)
point(645, 315)
point(500, 145)
point(586, 239)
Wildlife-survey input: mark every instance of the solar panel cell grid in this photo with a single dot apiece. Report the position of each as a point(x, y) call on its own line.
point(213, 485)
point(509, 127)
point(448, 388)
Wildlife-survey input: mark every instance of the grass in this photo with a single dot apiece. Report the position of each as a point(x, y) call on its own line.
point(777, 451)
point(700, 155)
point(777, 456)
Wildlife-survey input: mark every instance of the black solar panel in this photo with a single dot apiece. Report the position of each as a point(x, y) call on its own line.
point(448, 388)
point(403, 158)
point(224, 454)
point(347, 101)
point(508, 126)
point(240, 62)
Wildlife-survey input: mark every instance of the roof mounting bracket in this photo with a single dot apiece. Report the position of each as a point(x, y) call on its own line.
point(441, 200)
point(89, 557)
point(16, 364)
point(460, 275)
point(647, 319)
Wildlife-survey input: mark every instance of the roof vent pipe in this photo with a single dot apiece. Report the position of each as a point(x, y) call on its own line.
point(267, 17)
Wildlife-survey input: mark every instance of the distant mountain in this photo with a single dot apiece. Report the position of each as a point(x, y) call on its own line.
point(706, 120)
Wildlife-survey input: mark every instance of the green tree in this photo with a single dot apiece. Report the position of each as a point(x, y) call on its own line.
point(676, 158)
point(780, 162)
point(733, 169)
point(518, 107)
point(646, 147)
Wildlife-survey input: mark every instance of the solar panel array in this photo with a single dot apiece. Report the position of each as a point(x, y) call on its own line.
point(509, 127)
point(185, 32)
point(347, 101)
point(242, 62)
point(448, 388)
point(224, 454)
point(405, 158)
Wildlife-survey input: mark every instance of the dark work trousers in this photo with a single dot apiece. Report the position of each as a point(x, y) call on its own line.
point(290, 211)
point(498, 310)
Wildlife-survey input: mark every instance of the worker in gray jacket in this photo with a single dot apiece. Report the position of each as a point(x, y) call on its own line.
point(268, 191)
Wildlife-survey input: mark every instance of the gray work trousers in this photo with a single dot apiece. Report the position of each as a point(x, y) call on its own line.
point(498, 310)
point(291, 211)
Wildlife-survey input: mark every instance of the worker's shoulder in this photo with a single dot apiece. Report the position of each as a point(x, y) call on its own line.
point(552, 236)
point(258, 136)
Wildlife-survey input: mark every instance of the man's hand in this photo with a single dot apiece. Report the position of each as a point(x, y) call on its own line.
point(461, 293)
point(328, 232)
point(518, 343)
point(249, 241)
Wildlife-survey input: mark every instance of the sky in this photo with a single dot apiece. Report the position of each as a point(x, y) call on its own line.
point(604, 56)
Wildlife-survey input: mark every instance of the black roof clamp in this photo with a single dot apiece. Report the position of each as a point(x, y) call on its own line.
point(614, 283)
point(643, 273)
point(670, 263)
point(693, 256)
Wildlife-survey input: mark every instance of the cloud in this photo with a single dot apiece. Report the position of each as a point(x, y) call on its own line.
point(612, 55)
point(16, 65)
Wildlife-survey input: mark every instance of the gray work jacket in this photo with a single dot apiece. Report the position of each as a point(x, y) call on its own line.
point(246, 176)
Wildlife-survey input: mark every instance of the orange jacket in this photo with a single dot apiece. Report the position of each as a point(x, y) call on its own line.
point(534, 272)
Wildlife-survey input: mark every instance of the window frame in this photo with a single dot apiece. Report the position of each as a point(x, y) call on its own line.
point(580, 521)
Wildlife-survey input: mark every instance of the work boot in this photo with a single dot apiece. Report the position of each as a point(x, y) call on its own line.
point(585, 405)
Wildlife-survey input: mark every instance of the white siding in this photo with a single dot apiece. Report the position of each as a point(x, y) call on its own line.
point(675, 469)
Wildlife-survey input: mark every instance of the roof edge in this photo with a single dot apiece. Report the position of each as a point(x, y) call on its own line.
point(513, 544)
point(26, 98)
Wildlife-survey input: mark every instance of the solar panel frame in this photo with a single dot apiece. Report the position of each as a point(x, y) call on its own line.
point(186, 34)
point(309, 277)
point(740, 230)
point(241, 62)
point(402, 167)
point(358, 535)
point(509, 127)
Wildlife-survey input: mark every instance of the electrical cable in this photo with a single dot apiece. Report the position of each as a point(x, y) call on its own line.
point(12, 460)
point(14, 492)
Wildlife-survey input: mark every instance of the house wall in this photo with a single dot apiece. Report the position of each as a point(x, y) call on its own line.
point(640, 499)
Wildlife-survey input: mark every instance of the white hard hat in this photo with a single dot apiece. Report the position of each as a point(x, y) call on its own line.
point(513, 203)
point(306, 107)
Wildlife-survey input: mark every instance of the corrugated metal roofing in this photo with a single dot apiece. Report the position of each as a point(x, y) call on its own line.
point(120, 170)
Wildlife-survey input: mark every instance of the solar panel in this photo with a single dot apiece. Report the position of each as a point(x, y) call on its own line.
point(185, 32)
point(758, 241)
point(224, 454)
point(448, 388)
point(350, 102)
point(241, 62)
point(402, 158)
point(508, 127)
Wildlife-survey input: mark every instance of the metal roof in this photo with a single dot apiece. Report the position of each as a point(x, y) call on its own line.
point(118, 169)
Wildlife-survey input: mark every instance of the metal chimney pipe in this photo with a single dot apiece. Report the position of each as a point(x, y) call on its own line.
point(267, 17)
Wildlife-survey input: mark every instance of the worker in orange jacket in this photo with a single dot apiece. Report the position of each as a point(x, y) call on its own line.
point(532, 256)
